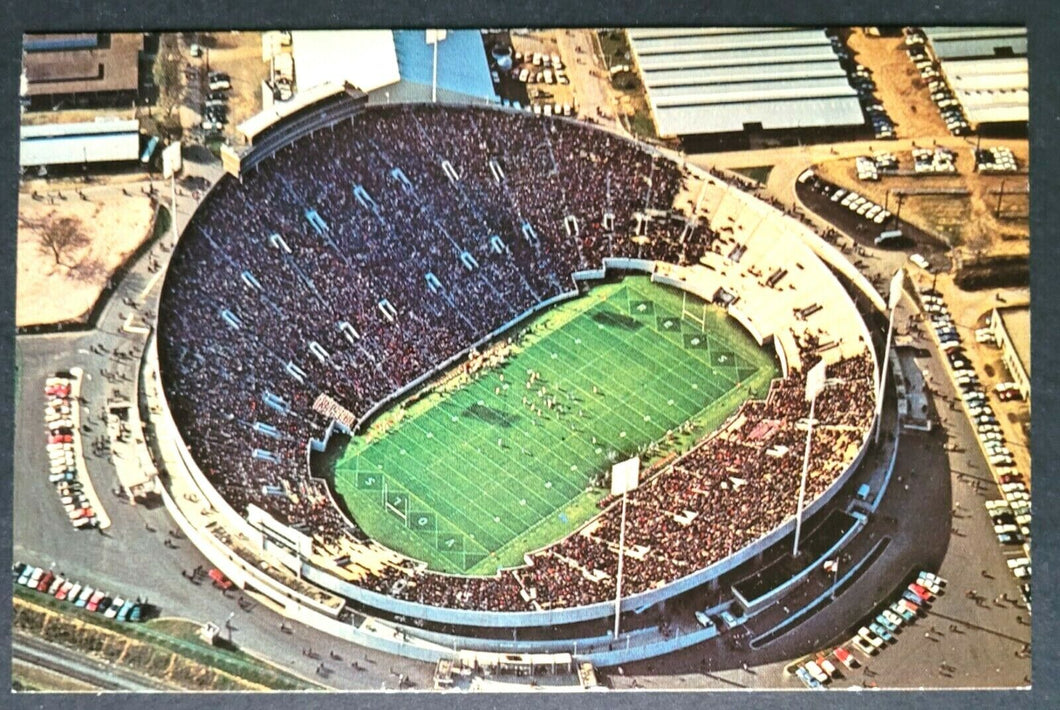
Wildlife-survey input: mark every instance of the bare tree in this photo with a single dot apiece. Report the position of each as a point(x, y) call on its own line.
point(60, 237)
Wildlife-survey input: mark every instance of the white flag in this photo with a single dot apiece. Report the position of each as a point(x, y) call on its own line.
point(896, 289)
point(625, 475)
point(815, 380)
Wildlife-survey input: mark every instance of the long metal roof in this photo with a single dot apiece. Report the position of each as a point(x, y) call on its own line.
point(987, 69)
point(72, 143)
point(740, 40)
point(726, 118)
point(977, 42)
point(748, 72)
point(717, 80)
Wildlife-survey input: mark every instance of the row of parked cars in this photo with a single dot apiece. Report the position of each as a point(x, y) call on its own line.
point(215, 105)
point(935, 161)
point(1011, 517)
point(869, 167)
point(995, 160)
point(972, 392)
point(539, 68)
point(820, 670)
point(80, 595)
point(948, 105)
point(860, 78)
point(62, 460)
point(861, 206)
point(884, 628)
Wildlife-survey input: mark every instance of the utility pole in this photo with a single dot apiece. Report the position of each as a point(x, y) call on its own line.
point(1000, 194)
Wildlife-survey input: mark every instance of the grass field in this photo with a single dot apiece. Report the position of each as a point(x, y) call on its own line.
point(470, 479)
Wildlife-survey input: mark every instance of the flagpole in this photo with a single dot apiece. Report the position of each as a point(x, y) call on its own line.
point(621, 556)
point(883, 375)
point(434, 72)
point(805, 472)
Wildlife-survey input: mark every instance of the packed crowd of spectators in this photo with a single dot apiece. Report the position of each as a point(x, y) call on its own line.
point(253, 327)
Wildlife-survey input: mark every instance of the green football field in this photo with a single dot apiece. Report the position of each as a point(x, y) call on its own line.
point(470, 479)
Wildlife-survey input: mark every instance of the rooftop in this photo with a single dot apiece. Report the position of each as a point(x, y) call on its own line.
point(1017, 323)
point(719, 80)
point(55, 66)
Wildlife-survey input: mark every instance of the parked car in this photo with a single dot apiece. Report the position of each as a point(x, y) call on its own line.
point(803, 675)
point(114, 608)
point(816, 672)
point(863, 645)
point(845, 657)
point(94, 600)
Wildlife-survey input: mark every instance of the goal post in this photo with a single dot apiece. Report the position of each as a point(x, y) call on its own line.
point(699, 318)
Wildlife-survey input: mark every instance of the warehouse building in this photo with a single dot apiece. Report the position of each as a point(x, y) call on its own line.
point(89, 69)
point(986, 68)
point(749, 81)
point(57, 144)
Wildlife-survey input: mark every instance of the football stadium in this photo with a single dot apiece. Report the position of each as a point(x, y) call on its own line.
point(401, 348)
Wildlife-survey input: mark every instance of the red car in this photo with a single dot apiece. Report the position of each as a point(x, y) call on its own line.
point(95, 599)
point(45, 581)
point(219, 580)
point(64, 590)
point(920, 592)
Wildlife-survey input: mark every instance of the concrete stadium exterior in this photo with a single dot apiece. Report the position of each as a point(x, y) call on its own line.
point(326, 610)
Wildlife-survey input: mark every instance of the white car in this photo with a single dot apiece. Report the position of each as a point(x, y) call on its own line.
point(815, 672)
point(919, 261)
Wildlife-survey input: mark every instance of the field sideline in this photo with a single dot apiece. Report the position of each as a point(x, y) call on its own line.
point(469, 480)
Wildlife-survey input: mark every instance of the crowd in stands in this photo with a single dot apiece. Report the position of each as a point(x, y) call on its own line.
point(253, 327)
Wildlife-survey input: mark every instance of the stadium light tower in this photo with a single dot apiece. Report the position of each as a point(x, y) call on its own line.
point(171, 165)
point(434, 37)
point(815, 382)
point(897, 281)
point(625, 476)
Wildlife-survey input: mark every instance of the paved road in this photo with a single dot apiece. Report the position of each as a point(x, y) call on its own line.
point(101, 674)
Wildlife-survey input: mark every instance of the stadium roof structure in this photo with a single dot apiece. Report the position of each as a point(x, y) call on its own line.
point(365, 58)
point(280, 110)
point(81, 63)
point(720, 80)
point(72, 143)
point(395, 61)
point(987, 70)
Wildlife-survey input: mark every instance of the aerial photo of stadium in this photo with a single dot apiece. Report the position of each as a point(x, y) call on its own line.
point(531, 359)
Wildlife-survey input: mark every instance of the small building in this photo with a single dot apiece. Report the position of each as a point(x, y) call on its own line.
point(1011, 328)
point(84, 70)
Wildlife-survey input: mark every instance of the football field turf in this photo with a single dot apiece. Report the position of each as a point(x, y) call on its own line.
point(470, 479)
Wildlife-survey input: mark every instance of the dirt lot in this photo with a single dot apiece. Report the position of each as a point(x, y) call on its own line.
point(967, 221)
point(900, 88)
point(115, 224)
